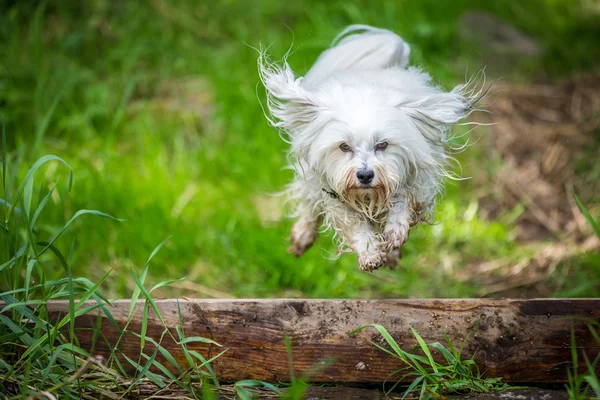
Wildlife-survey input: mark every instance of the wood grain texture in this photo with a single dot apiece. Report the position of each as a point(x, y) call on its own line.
point(519, 340)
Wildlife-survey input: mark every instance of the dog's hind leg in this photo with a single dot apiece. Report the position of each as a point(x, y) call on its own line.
point(303, 235)
point(393, 258)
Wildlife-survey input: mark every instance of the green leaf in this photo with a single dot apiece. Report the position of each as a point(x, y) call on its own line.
point(450, 345)
point(165, 283)
point(27, 303)
point(586, 213)
point(242, 393)
point(137, 290)
point(56, 252)
point(71, 298)
point(93, 287)
point(57, 353)
point(481, 386)
point(144, 325)
point(28, 272)
point(256, 383)
point(444, 352)
point(592, 380)
point(20, 253)
point(165, 353)
point(412, 386)
point(4, 159)
point(9, 205)
point(41, 206)
point(204, 362)
point(425, 349)
point(144, 372)
point(383, 332)
point(27, 196)
point(593, 332)
point(162, 368)
point(73, 218)
point(29, 177)
point(193, 339)
point(147, 295)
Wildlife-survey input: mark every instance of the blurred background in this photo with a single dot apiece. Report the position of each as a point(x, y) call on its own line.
point(156, 106)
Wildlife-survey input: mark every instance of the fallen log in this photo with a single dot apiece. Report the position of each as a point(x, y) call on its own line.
point(518, 340)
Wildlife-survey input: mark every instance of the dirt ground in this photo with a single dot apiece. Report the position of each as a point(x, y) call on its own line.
point(546, 140)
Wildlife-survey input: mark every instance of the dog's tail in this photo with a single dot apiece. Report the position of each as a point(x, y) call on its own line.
point(361, 47)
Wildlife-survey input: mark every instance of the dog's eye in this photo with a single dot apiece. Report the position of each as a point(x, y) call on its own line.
point(345, 147)
point(381, 146)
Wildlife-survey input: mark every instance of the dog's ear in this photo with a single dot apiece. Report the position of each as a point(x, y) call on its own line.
point(290, 105)
point(440, 108)
point(431, 113)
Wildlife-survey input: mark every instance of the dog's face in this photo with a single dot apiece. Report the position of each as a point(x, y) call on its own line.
point(360, 149)
point(366, 139)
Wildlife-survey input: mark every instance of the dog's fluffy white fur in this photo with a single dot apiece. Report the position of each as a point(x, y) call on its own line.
point(368, 139)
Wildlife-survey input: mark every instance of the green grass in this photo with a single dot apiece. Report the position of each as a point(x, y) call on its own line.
point(581, 384)
point(155, 106)
point(40, 353)
point(432, 379)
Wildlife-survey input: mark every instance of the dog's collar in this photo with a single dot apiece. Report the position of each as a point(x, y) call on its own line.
point(332, 194)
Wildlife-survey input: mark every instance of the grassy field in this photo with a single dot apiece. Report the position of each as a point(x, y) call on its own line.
point(156, 107)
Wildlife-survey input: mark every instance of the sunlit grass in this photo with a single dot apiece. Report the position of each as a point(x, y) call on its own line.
point(156, 106)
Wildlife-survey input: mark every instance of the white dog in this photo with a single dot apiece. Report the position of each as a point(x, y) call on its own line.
point(368, 142)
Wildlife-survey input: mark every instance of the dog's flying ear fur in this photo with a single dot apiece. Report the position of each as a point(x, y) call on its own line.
point(439, 109)
point(434, 112)
point(290, 105)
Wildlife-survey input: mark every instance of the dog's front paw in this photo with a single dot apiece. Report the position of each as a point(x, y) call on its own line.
point(396, 238)
point(371, 261)
point(302, 237)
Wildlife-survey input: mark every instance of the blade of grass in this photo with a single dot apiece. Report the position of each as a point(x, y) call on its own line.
point(28, 271)
point(425, 349)
point(192, 339)
point(137, 289)
point(257, 383)
point(41, 206)
point(412, 386)
point(73, 218)
point(164, 352)
point(41, 161)
point(4, 161)
point(143, 372)
point(147, 295)
point(586, 213)
point(144, 325)
point(27, 196)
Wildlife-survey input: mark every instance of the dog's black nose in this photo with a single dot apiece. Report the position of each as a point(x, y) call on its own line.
point(365, 176)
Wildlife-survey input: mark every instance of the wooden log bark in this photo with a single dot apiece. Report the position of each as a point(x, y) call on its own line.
point(518, 340)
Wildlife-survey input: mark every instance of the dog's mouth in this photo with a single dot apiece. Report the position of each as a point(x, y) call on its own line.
point(362, 186)
point(371, 200)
